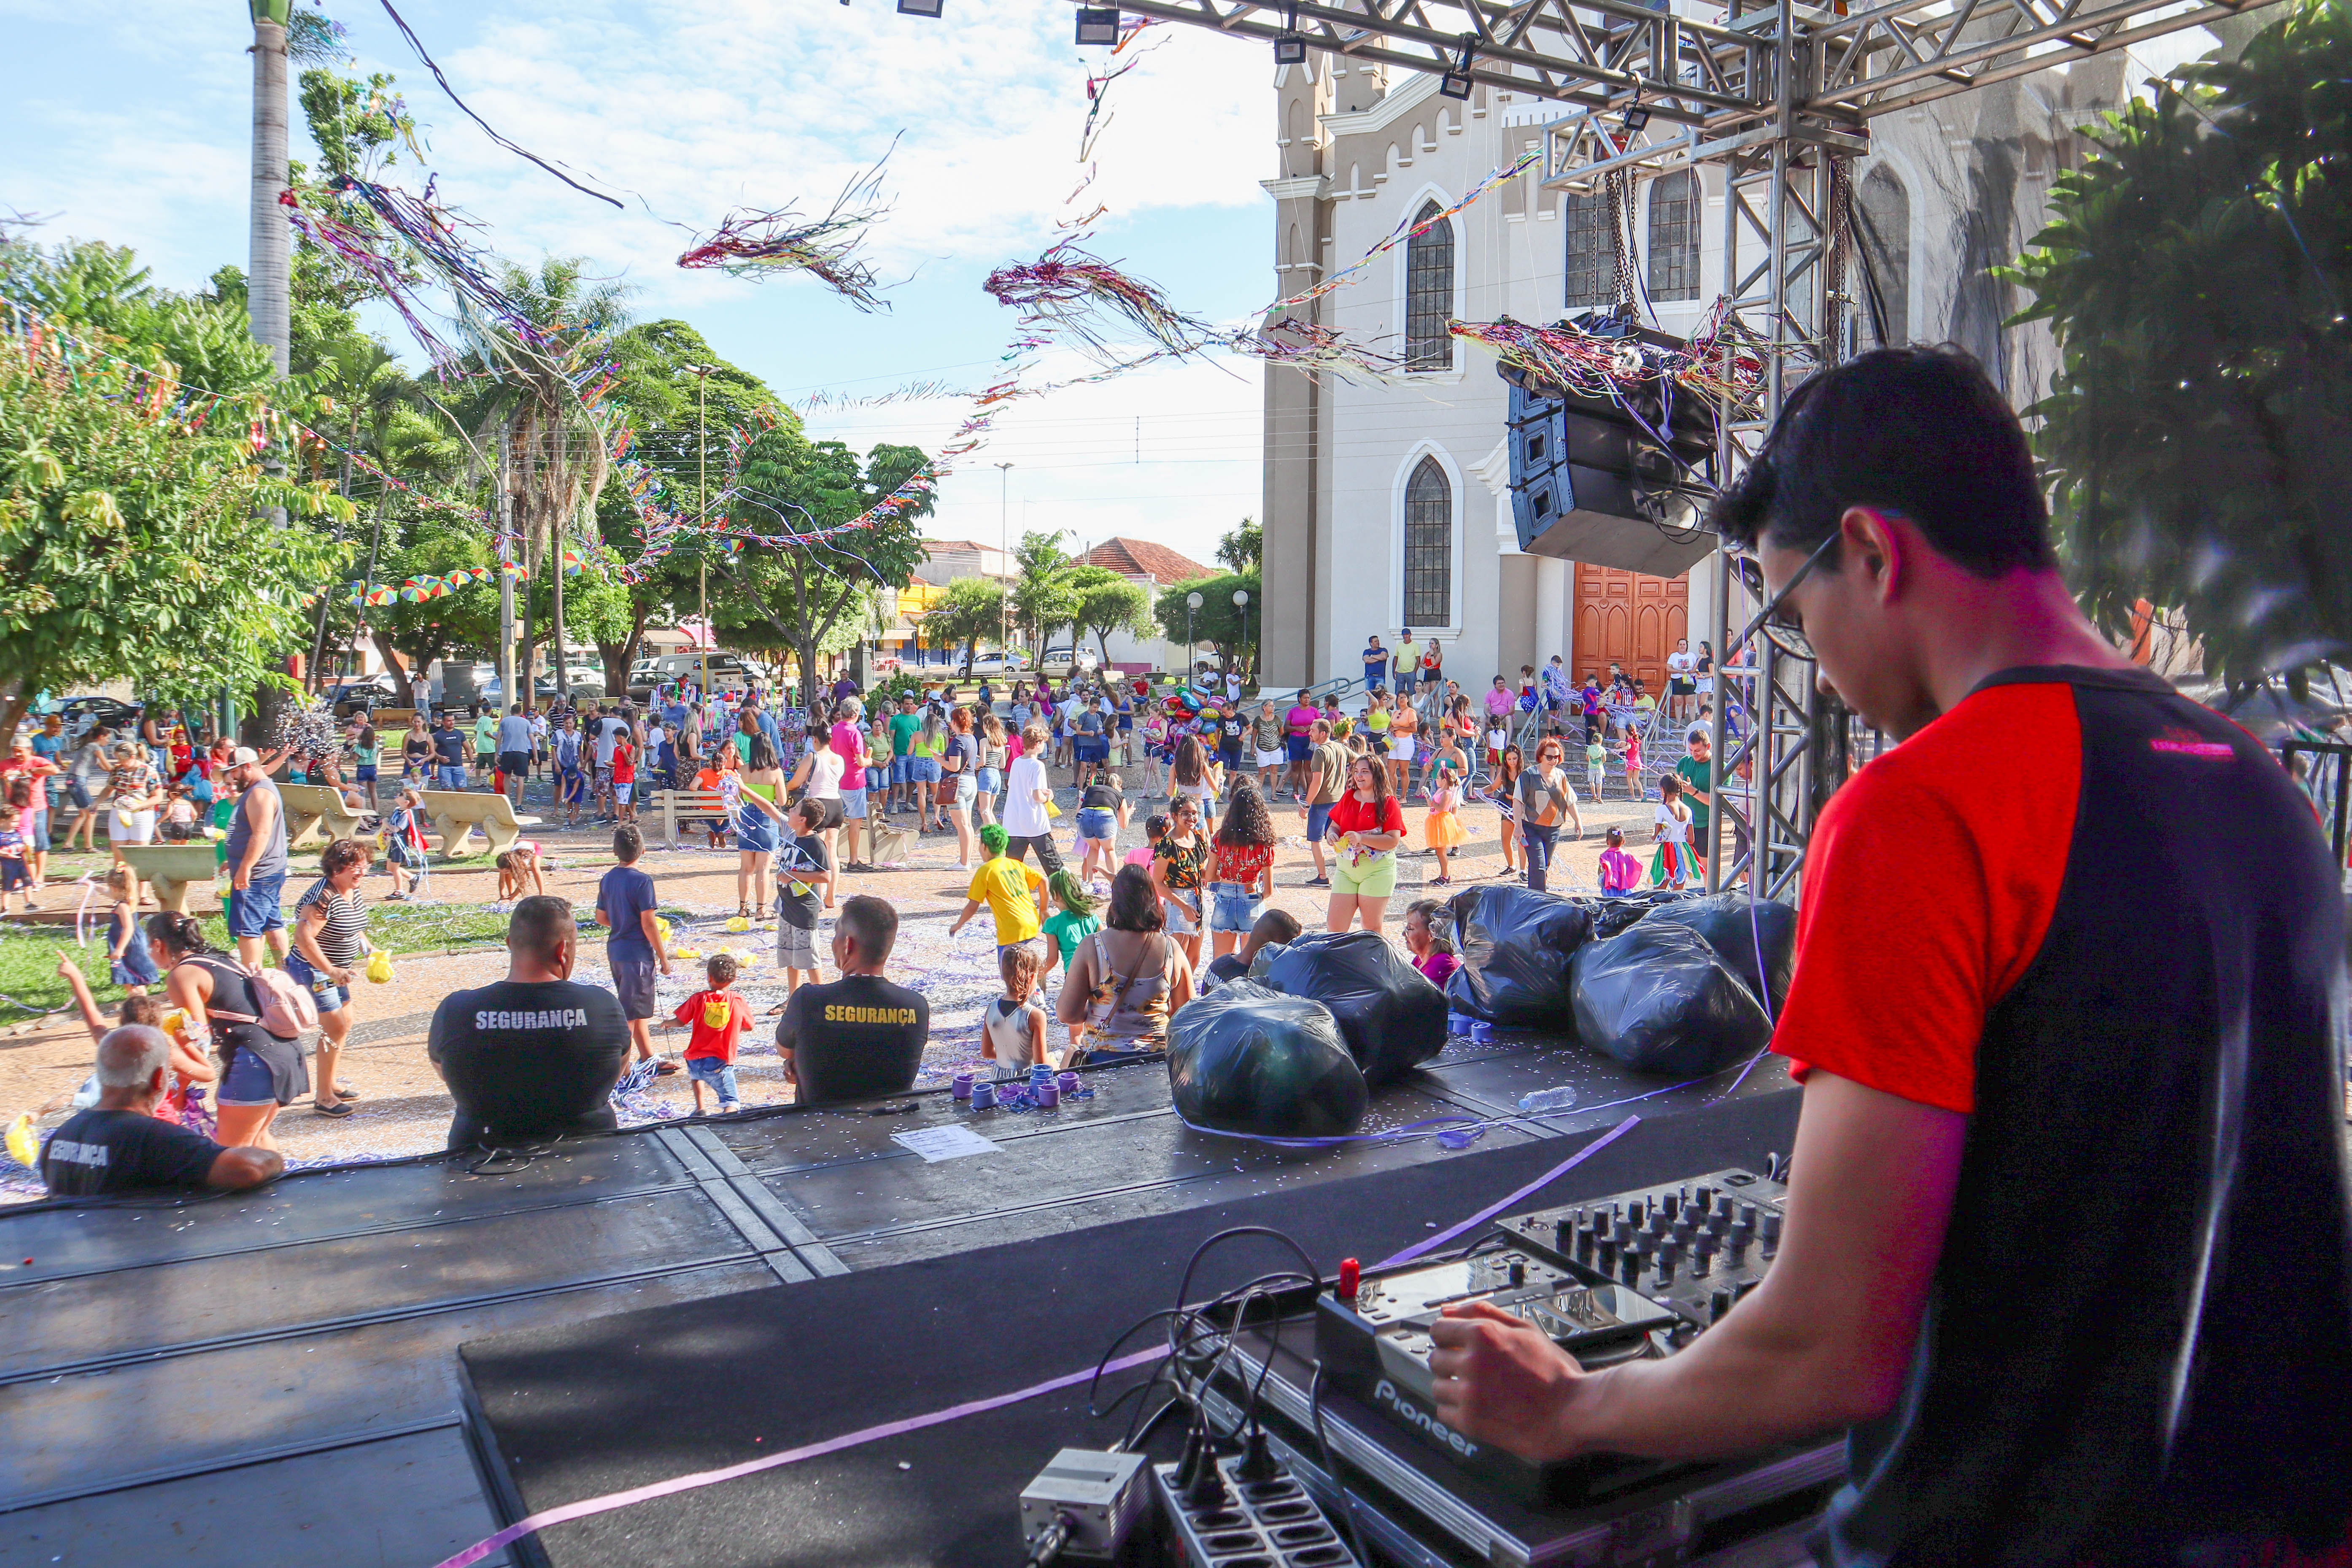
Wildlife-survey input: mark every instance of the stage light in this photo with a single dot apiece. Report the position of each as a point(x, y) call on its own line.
point(1636, 117)
point(1289, 49)
point(1098, 24)
point(1456, 83)
point(920, 7)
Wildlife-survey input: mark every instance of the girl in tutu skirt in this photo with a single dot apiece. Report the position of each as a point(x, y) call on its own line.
point(1442, 829)
point(1671, 827)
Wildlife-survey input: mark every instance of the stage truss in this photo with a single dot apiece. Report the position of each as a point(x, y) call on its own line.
point(1780, 95)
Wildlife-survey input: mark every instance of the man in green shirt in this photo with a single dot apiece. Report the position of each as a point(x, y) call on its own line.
point(1698, 776)
point(905, 724)
point(486, 741)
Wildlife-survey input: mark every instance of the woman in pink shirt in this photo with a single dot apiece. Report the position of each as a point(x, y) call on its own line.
point(1298, 743)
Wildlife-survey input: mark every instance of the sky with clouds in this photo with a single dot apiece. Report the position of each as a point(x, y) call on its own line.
point(131, 122)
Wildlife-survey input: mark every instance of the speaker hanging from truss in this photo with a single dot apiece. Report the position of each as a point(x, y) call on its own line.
point(1616, 480)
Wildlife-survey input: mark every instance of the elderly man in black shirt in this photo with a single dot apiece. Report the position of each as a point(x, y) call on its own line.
point(861, 1036)
point(536, 1054)
point(119, 1146)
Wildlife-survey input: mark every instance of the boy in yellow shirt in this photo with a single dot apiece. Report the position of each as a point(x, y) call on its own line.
point(1011, 888)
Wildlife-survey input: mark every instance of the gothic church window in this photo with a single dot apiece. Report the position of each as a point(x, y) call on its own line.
point(1429, 293)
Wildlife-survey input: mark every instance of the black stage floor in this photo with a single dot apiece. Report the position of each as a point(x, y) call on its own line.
point(273, 1376)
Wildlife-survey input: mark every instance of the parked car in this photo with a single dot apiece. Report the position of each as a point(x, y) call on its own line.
point(1061, 658)
point(363, 695)
point(82, 713)
point(725, 670)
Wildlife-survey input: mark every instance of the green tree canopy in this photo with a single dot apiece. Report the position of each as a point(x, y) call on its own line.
point(1106, 604)
point(1242, 549)
point(970, 609)
point(1042, 599)
point(1217, 625)
point(2197, 436)
point(128, 532)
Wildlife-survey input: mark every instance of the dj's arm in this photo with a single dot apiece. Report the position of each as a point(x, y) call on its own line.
point(1822, 1343)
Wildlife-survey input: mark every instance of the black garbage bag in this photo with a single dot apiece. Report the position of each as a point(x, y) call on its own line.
point(1393, 1018)
point(1514, 945)
point(1611, 916)
point(1248, 1059)
point(1263, 958)
point(1659, 1000)
point(1723, 921)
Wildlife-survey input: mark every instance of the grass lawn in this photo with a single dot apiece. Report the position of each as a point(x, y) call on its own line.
point(28, 956)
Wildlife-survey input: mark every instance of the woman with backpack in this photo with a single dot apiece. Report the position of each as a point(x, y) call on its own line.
point(227, 1005)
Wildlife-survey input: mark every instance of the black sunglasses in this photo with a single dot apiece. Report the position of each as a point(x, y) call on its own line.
point(1786, 635)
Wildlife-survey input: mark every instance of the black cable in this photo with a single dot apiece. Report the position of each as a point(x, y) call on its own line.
point(1331, 1466)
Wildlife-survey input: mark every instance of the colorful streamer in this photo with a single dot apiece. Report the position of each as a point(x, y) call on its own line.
point(748, 243)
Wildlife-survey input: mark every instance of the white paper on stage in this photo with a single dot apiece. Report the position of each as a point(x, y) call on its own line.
point(950, 1142)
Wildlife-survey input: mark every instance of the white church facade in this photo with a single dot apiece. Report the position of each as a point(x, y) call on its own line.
point(1389, 506)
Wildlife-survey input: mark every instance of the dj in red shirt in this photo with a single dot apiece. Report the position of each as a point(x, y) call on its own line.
point(2067, 1242)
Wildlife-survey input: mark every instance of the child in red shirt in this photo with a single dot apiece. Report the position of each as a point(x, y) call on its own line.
point(624, 781)
point(719, 1017)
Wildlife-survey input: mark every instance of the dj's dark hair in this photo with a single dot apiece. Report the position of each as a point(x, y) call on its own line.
point(1922, 432)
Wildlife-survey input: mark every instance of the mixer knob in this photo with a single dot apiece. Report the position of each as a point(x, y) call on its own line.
point(1685, 1229)
point(1605, 1254)
point(1669, 1204)
point(1518, 1272)
point(1723, 1204)
point(1734, 1249)
point(1629, 1266)
point(1717, 1304)
point(1771, 1227)
point(1666, 1268)
point(1563, 1235)
point(1703, 1196)
point(1702, 1259)
point(1584, 1238)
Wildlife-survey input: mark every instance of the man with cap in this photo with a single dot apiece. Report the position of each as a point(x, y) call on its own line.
point(257, 859)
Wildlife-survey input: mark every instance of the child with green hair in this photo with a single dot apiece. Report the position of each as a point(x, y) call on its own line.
point(1009, 887)
point(1072, 923)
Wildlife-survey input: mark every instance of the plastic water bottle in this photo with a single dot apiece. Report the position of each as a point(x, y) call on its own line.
point(1544, 1101)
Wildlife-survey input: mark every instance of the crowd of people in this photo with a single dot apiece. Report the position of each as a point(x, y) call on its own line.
point(1107, 943)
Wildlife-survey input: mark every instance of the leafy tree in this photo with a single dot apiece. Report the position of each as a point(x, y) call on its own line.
point(1244, 548)
point(1218, 622)
point(1108, 603)
point(127, 527)
point(970, 609)
point(1042, 596)
point(788, 484)
point(2197, 436)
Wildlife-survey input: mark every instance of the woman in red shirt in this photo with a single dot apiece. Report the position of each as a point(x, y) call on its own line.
point(1368, 823)
point(1241, 868)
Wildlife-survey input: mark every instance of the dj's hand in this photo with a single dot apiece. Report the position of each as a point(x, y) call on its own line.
point(1501, 1381)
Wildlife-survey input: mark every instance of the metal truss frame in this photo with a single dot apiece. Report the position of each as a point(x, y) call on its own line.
point(1779, 94)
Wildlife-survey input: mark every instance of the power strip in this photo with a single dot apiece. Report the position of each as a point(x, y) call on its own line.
point(1268, 1523)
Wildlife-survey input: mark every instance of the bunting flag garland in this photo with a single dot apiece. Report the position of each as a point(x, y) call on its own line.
point(415, 590)
point(748, 243)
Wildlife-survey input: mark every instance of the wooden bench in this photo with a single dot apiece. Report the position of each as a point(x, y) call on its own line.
point(171, 869)
point(316, 814)
point(455, 814)
point(674, 804)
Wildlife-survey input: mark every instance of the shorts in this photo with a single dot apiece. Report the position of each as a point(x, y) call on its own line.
point(329, 998)
point(36, 832)
point(852, 805)
point(923, 769)
point(1096, 823)
point(248, 1082)
point(1295, 747)
point(1368, 876)
point(366, 773)
point(622, 790)
point(14, 876)
point(1091, 748)
point(1273, 759)
point(1232, 907)
point(633, 982)
point(485, 760)
point(902, 770)
point(1179, 918)
point(138, 827)
point(1379, 742)
point(453, 775)
point(877, 778)
point(967, 789)
point(511, 763)
point(755, 831)
point(795, 946)
point(1319, 822)
point(257, 908)
point(1401, 749)
point(1679, 686)
point(992, 781)
point(719, 1074)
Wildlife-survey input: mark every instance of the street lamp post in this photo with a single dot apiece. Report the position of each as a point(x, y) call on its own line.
point(1192, 602)
point(1003, 558)
point(1241, 608)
